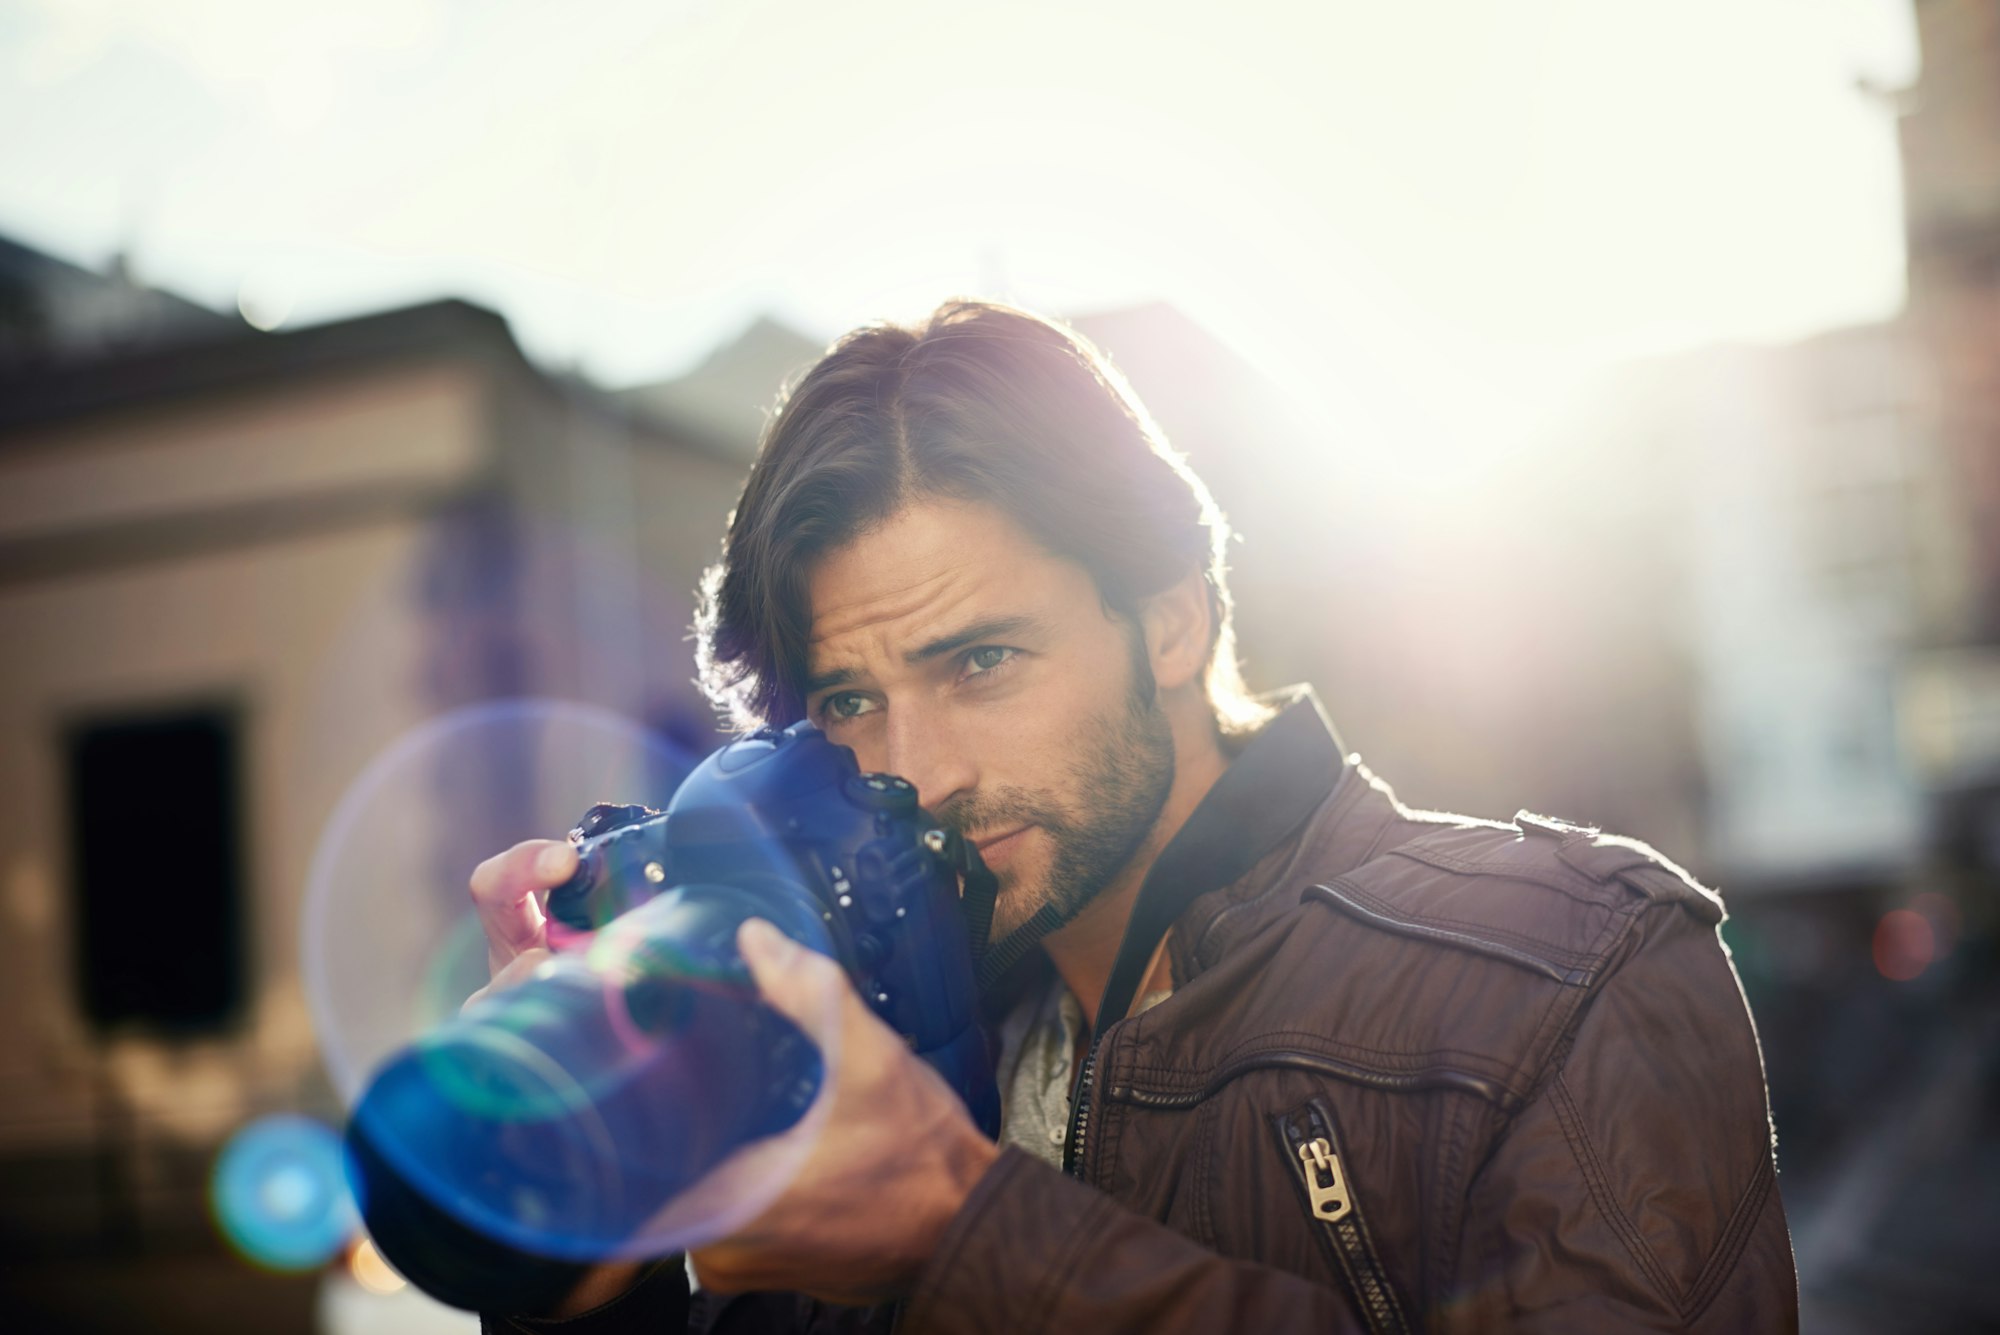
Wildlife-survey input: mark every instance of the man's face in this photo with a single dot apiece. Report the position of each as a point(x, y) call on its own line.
point(949, 647)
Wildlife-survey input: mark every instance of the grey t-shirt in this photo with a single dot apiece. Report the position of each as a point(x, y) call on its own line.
point(1038, 1042)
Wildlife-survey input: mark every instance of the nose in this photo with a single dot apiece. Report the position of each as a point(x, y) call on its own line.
point(923, 748)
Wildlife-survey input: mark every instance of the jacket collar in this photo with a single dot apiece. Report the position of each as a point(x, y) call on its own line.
point(1280, 778)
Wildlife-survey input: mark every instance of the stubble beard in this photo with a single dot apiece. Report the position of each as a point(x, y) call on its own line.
point(1122, 775)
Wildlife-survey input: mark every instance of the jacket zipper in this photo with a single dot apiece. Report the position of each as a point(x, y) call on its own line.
point(1079, 1113)
point(1311, 1145)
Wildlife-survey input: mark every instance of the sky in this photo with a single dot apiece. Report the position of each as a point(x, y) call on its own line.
point(1449, 200)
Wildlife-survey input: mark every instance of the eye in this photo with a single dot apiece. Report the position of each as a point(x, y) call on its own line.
point(987, 657)
point(844, 705)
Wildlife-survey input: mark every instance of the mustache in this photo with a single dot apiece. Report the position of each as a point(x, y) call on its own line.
point(973, 814)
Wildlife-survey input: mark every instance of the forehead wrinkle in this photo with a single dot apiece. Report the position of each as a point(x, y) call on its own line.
point(928, 570)
point(869, 638)
point(892, 606)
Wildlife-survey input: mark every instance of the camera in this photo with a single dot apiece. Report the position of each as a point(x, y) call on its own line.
point(500, 1155)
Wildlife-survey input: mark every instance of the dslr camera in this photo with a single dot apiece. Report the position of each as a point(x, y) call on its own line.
point(541, 1131)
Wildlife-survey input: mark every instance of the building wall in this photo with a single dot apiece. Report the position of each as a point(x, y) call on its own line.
point(258, 551)
point(1951, 173)
point(129, 485)
point(615, 523)
point(1806, 510)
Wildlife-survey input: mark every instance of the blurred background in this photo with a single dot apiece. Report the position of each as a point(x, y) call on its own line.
point(1607, 395)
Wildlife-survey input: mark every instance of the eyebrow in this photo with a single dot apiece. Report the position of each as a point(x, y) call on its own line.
point(837, 677)
point(991, 628)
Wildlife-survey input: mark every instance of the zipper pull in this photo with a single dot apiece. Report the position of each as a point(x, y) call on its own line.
point(1329, 1199)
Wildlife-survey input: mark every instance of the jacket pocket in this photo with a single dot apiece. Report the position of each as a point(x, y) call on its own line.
point(1319, 1172)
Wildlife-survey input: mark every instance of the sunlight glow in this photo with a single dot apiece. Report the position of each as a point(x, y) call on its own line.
point(1390, 196)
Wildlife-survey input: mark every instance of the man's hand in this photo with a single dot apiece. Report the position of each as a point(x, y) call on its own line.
point(881, 1163)
point(509, 890)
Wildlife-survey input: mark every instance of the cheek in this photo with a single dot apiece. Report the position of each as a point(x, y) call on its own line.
point(1018, 743)
point(1034, 742)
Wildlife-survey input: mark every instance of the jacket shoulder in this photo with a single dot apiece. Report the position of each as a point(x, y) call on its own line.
point(1461, 956)
point(1540, 893)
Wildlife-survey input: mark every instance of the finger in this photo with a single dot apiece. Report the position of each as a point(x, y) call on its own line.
point(516, 971)
point(507, 892)
point(803, 985)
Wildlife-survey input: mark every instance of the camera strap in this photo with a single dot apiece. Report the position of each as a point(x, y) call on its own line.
point(979, 889)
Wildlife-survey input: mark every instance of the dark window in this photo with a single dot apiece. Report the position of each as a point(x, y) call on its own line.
point(154, 818)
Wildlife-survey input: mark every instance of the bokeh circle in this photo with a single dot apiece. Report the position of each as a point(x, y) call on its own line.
point(278, 1194)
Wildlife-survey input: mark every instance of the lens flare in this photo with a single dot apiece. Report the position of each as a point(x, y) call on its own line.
point(390, 944)
point(279, 1195)
point(1905, 945)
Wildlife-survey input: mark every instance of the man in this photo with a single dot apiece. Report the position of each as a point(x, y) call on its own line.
point(1279, 1053)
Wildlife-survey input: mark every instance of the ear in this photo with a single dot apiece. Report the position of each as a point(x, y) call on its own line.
point(1176, 623)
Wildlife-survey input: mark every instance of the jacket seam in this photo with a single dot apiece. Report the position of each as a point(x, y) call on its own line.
point(1442, 1252)
point(1561, 875)
point(1597, 1181)
point(1480, 941)
point(1488, 930)
point(1125, 1088)
point(1375, 844)
point(1343, 798)
point(1568, 882)
point(1204, 1149)
point(1215, 934)
point(1703, 904)
point(1568, 1004)
point(1412, 1057)
point(1496, 1092)
point(1735, 1236)
point(1106, 1157)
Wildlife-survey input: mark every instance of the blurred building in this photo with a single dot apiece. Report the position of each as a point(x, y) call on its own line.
point(52, 312)
point(1950, 128)
point(1810, 524)
point(1827, 521)
point(1951, 184)
point(234, 566)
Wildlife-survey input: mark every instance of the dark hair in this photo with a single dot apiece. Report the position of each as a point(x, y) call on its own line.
point(982, 402)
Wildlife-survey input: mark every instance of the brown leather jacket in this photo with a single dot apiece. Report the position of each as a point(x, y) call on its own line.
point(1418, 1073)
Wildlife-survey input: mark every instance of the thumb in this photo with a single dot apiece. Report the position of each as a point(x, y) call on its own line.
point(802, 985)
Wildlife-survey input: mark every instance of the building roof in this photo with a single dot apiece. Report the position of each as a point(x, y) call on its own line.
point(245, 358)
point(52, 311)
point(723, 401)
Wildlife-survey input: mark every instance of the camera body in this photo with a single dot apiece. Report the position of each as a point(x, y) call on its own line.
point(546, 1127)
point(788, 812)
